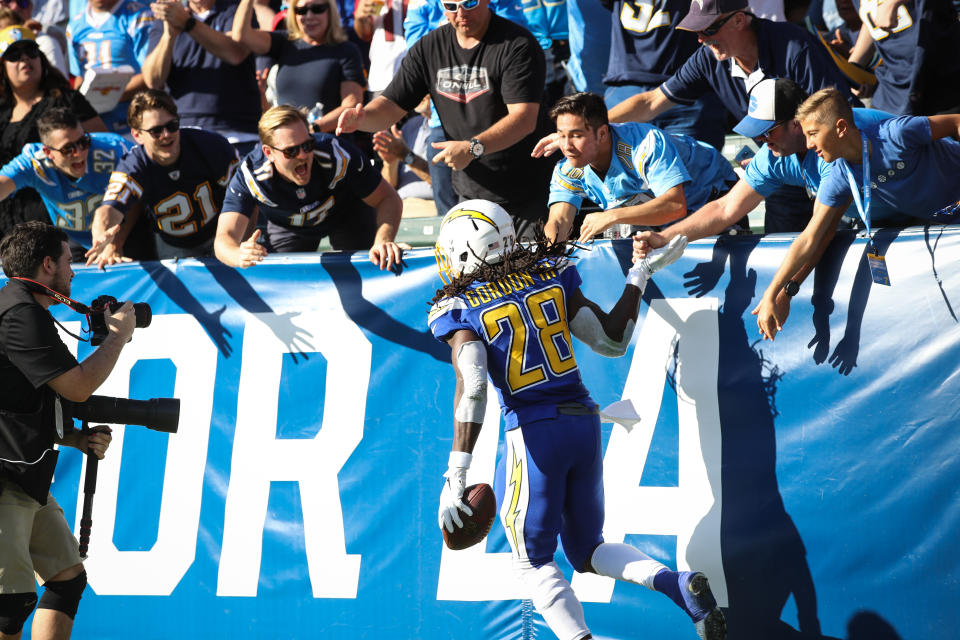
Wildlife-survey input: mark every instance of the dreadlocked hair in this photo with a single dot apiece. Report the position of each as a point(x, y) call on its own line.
point(540, 256)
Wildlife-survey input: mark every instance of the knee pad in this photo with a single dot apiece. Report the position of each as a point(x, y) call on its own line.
point(64, 595)
point(553, 597)
point(15, 608)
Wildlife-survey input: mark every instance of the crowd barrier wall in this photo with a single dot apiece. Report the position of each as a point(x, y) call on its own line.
point(814, 478)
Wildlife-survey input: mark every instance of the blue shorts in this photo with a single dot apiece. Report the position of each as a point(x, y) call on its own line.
point(549, 483)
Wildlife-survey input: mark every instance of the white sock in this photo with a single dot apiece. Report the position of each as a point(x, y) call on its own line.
point(623, 562)
point(553, 597)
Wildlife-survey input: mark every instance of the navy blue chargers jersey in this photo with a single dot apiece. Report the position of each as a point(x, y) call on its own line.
point(184, 199)
point(522, 320)
point(341, 175)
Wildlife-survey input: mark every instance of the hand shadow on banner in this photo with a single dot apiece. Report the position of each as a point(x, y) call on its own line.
point(867, 625)
point(826, 274)
point(702, 279)
point(178, 293)
point(346, 278)
point(295, 338)
point(764, 557)
point(932, 250)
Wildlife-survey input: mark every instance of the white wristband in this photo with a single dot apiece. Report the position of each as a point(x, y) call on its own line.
point(460, 460)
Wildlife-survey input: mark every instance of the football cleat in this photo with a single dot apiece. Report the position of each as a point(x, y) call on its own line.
point(701, 606)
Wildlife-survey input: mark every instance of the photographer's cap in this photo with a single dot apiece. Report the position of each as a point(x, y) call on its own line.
point(704, 13)
point(773, 101)
point(13, 34)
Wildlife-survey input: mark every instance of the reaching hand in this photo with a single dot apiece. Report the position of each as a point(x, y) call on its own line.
point(665, 256)
point(389, 145)
point(594, 224)
point(646, 241)
point(251, 252)
point(350, 119)
point(451, 498)
point(772, 315)
point(453, 153)
point(105, 251)
point(385, 254)
point(546, 146)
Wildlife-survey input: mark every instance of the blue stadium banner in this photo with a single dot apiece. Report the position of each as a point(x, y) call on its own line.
point(814, 478)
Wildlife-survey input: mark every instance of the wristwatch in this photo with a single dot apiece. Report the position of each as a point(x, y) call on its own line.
point(189, 24)
point(791, 288)
point(409, 158)
point(476, 148)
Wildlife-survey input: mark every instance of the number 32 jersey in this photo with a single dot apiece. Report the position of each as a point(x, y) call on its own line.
point(184, 199)
point(522, 320)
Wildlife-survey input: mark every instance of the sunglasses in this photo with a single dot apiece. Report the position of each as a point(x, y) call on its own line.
point(466, 5)
point(766, 135)
point(315, 9)
point(290, 153)
point(80, 144)
point(716, 26)
point(16, 52)
point(170, 127)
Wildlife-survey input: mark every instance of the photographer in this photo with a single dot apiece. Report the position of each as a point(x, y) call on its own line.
point(37, 371)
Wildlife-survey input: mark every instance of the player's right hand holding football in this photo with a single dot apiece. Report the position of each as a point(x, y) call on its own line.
point(451, 498)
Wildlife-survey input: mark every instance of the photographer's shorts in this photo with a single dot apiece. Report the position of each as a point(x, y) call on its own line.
point(35, 541)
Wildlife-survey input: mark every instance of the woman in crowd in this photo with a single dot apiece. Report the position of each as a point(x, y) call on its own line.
point(29, 86)
point(315, 62)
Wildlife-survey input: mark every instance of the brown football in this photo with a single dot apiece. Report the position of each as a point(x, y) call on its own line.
point(475, 528)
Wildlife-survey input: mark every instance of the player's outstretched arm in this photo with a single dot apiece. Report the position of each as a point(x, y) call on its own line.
point(469, 356)
point(709, 220)
point(231, 248)
point(609, 334)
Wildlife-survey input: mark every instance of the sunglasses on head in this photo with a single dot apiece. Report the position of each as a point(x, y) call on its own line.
point(467, 5)
point(290, 153)
point(170, 127)
point(17, 51)
point(315, 9)
point(80, 144)
point(716, 26)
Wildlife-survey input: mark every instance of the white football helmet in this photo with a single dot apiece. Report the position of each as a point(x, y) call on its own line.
point(472, 233)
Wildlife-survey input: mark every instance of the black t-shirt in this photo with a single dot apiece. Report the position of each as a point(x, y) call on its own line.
point(471, 89)
point(31, 355)
point(308, 74)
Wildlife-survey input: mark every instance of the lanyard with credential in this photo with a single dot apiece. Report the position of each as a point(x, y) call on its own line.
point(878, 264)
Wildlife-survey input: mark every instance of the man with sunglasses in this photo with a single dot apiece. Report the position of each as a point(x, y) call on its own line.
point(485, 76)
point(307, 186)
point(176, 176)
point(783, 159)
point(70, 170)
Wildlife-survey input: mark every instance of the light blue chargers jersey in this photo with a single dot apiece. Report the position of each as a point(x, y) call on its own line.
point(766, 172)
point(69, 202)
point(123, 38)
point(546, 20)
point(522, 322)
point(646, 162)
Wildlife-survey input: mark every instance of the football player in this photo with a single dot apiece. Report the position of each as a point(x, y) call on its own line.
point(307, 186)
point(178, 176)
point(507, 312)
point(69, 169)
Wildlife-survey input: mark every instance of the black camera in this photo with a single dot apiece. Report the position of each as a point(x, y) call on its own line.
point(159, 414)
point(98, 324)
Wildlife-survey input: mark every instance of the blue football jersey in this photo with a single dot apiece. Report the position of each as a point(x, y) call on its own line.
point(546, 20)
point(522, 320)
point(646, 162)
point(69, 202)
point(645, 45)
point(184, 199)
point(341, 175)
point(121, 39)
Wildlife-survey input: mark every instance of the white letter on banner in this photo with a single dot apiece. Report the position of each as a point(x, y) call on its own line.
point(260, 457)
point(690, 511)
point(474, 574)
point(158, 571)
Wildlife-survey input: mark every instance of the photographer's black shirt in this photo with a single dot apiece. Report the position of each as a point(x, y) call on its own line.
point(31, 355)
